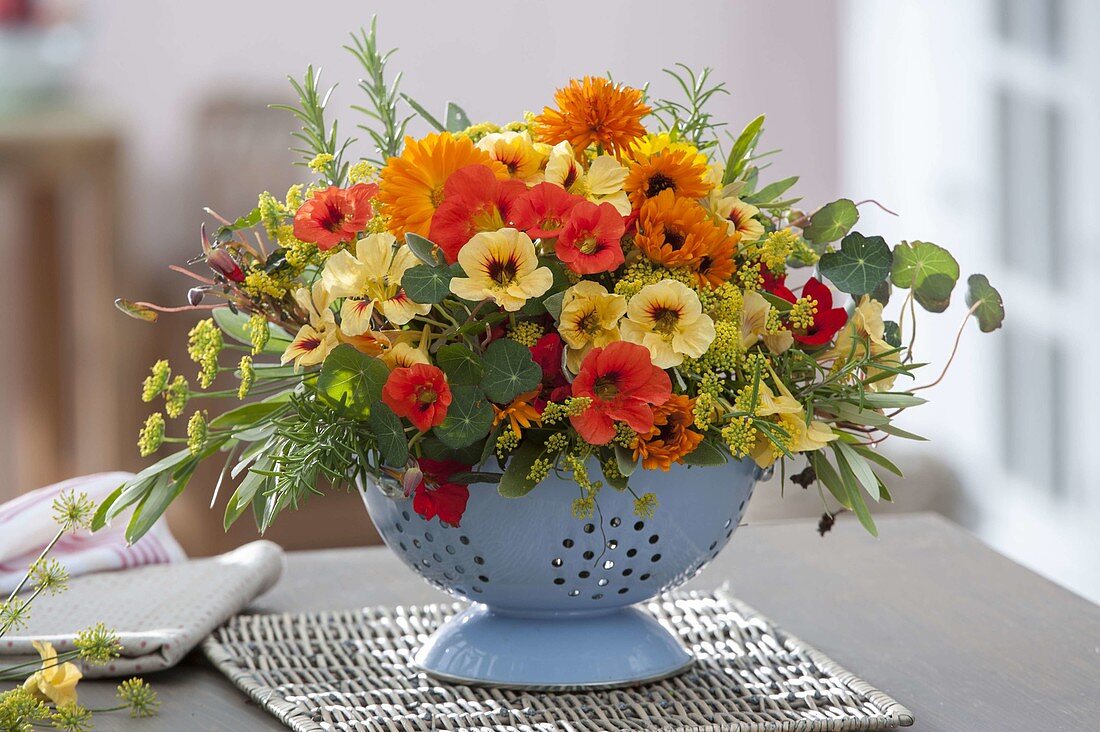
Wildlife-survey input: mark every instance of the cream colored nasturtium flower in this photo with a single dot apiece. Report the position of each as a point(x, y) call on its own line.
point(516, 152)
point(739, 216)
point(590, 318)
point(602, 183)
point(866, 328)
point(54, 682)
point(758, 325)
point(407, 348)
point(371, 279)
point(791, 416)
point(501, 266)
point(668, 319)
point(316, 339)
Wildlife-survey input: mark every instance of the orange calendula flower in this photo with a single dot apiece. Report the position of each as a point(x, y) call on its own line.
point(520, 414)
point(411, 186)
point(593, 110)
point(675, 170)
point(678, 232)
point(671, 437)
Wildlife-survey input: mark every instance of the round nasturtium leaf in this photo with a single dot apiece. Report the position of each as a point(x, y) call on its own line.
point(427, 285)
point(928, 270)
point(990, 310)
point(831, 221)
point(469, 418)
point(859, 266)
point(351, 379)
point(460, 364)
point(509, 371)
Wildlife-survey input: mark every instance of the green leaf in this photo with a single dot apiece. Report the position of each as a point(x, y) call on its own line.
point(851, 488)
point(474, 476)
point(469, 418)
point(425, 250)
point(434, 449)
point(772, 191)
point(827, 474)
point(624, 460)
point(990, 310)
point(135, 311)
point(899, 432)
point(244, 222)
point(460, 364)
point(233, 325)
point(831, 221)
point(389, 434)
point(426, 284)
point(891, 400)
point(746, 141)
point(456, 118)
point(892, 333)
point(859, 468)
point(882, 292)
point(428, 116)
point(509, 371)
point(514, 483)
point(249, 414)
point(707, 453)
point(860, 265)
point(352, 379)
point(879, 459)
point(553, 305)
point(913, 262)
point(927, 269)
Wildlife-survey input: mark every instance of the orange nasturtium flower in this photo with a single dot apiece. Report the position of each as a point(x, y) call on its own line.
point(334, 216)
point(671, 437)
point(419, 393)
point(593, 110)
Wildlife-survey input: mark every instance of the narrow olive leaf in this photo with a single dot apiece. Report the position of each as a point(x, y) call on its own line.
point(891, 400)
point(826, 473)
point(744, 144)
point(514, 482)
point(509, 371)
point(426, 284)
point(859, 266)
point(456, 118)
point(899, 432)
point(352, 380)
point(233, 324)
point(707, 453)
point(879, 459)
point(425, 250)
point(624, 460)
point(851, 487)
point(990, 310)
point(831, 221)
point(249, 414)
point(860, 469)
point(428, 116)
point(772, 191)
point(469, 418)
point(460, 364)
point(389, 434)
point(138, 312)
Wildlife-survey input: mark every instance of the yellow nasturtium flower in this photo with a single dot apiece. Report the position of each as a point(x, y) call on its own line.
point(316, 339)
point(756, 325)
point(601, 183)
point(54, 682)
point(864, 327)
point(371, 279)
point(668, 319)
point(516, 152)
point(590, 318)
point(502, 266)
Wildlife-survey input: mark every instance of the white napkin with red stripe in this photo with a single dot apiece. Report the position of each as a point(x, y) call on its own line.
point(27, 525)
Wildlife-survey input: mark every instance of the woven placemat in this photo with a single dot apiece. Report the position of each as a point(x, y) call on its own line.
point(350, 671)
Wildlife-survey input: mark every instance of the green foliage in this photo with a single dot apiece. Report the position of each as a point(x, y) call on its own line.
point(389, 435)
point(427, 284)
point(460, 364)
point(707, 453)
point(469, 418)
point(351, 380)
point(387, 129)
point(457, 119)
point(830, 222)
point(769, 193)
point(233, 324)
point(514, 483)
point(860, 265)
point(928, 270)
point(425, 250)
point(689, 120)
point(988, 307)
point(316, 136)
point(743, 147)
point(509, 371)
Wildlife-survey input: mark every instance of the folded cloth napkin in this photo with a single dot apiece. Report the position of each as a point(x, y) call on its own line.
point(160, 611)
point(27, 525)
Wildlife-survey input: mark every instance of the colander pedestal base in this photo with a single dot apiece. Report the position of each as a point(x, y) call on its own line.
point(562, 651)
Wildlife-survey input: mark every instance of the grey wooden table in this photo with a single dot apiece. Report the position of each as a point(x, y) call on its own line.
point(965, 638)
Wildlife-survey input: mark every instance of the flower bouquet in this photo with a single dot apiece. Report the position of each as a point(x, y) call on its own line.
point(554, 355)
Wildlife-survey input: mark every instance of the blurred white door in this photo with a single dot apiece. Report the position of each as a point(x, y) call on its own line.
point(980, 123)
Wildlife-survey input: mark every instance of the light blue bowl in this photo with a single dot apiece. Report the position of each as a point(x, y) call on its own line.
point(552, 595)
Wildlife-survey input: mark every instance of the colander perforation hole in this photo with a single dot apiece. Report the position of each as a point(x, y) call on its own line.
point(568, 543)
point(603, 582)
point(624, 590)
point(559, 580)
point(632, 552)
point(449, 549)
point(483, 578)
point(405, 515)
point(584, 574)
point(464, 540)
point(556, 562)
point(589, 528)
point(416, 543)
point(476, 589)
point(460, 569)
point(645, 576)
point(428, 536)
point(436, 557)
point(598, 596)
point(399, 527)
point(654, 539)
point(402, 545)
point(574, 593)
point(479, 560)
point(615, 522)
point(608, 564)
point(612, 544)
point(589, 554)
point(655, 558)
point(627, 572)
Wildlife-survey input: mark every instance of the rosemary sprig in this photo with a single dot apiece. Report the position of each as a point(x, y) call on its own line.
point(317, 137)
point(689, 120)
point(388, 127)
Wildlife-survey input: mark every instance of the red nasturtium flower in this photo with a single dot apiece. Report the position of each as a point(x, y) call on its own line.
point(473, 201)
point(827, 320)
point(590, 240)
point(623, 385)
point(547, 353)
point(335, 215)
point(436, 495)
point(542, 211)
point(419, 393)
